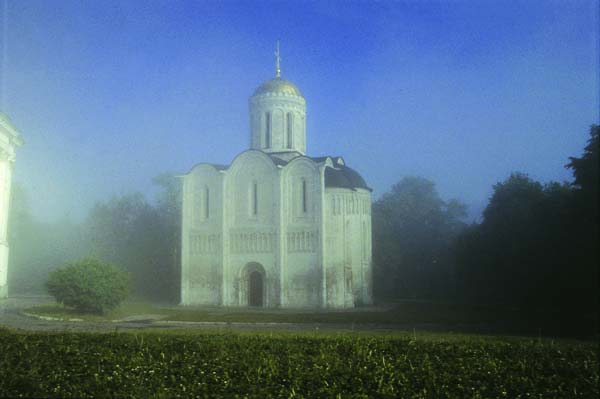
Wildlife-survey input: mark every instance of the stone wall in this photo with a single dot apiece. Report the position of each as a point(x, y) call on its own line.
point(278, 105)
point(252, 226)
point(270, 220)
point(302, 252)
point(9, 140)
point(202, 239)
point(348, 247)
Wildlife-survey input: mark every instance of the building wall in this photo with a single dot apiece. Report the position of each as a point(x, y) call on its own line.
point(5, 183)
point(202, 239)
point(278, 105)
point(9, 139)
point(348, 247)
point(252, 233)
point(295, 227)
point(302, 260)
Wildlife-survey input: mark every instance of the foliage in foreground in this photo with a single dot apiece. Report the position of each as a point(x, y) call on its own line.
point(252, 365)
point(89, 285)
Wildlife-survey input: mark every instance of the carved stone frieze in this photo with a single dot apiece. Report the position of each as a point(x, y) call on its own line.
point(252, 242)
point(302, 241)
point(201, 244)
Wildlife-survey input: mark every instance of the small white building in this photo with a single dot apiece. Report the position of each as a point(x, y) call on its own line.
point(9, 140)
point(276, 227)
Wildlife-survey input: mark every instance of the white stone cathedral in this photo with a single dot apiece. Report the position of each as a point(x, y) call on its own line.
point(9, 140)
point(276, 227)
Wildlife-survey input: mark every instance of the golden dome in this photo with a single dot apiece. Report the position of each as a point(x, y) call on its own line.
point(279, 86)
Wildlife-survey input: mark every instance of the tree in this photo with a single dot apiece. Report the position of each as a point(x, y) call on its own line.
point(513, 200)
point(169, 209)
point(586, 219)
point(501, 255)
point(585, 169)
point(537, 245)
point(143, 237)
point(89, 285)
point(585, 188)
point(127, 230)
point(412, 231)
point(35, 247)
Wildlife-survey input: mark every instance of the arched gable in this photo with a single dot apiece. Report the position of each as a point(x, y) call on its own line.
point(301, 163)
point(203, 195)
point(252, 191)
point(302, 188)
point(249, 158)
point(204, 171)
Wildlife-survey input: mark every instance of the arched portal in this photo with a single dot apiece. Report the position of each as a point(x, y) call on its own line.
point(252, 286)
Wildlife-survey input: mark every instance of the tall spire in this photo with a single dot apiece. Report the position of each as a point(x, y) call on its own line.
point(277, 62)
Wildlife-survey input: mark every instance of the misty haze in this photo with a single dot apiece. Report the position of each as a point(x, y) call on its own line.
point(299, 199)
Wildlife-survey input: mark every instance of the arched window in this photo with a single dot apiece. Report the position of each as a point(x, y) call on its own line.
point(364, 240)
point(254, 199)
point(304, 195)
point(197, 206)
point(290, 132)
point(268, 130)
point(206, 203)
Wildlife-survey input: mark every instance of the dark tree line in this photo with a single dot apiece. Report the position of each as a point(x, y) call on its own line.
point(537, 245)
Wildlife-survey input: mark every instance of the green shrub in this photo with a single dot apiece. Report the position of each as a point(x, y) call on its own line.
point(89, 285)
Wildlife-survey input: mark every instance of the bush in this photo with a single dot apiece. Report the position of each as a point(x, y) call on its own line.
point(89, 285)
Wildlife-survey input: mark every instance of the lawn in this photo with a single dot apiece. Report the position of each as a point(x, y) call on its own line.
point(457, 317)
point(169, 364)
point(125, 310)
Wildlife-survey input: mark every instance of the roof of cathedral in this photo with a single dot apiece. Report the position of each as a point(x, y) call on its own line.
point(344, 177)
point(278, 85)
point(278, 161)
point(219, 166)
point(335, 160)
point(341, 176)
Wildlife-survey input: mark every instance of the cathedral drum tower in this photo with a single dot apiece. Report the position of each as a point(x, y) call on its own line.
point(276, 228)
point(277, 117)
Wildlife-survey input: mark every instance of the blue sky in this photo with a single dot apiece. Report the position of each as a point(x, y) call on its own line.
point(108, 94)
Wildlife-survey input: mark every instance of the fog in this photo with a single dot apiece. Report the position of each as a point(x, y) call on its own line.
point(108, 95)
point(460, 102)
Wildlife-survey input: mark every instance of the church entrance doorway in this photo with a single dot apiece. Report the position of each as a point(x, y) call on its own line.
point(255, 289)
point(253, 285)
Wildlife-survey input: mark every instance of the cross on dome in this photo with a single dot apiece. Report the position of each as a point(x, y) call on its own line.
point(277, 61)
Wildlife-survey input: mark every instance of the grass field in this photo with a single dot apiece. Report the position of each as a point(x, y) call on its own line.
point(125, 310)
point(167, 364)
point(494, 320)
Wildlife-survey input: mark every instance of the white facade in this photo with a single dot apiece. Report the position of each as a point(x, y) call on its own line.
point(9, 140)
point(276, 228)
